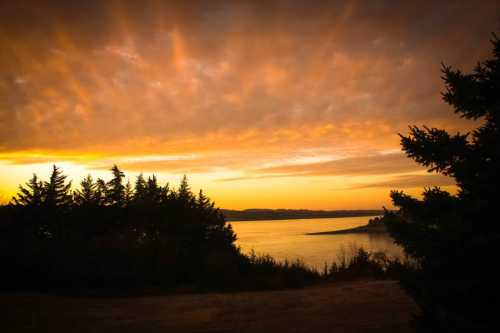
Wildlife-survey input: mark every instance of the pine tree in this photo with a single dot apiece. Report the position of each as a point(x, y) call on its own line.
point(184, 192)
point(31, 195)
point(202, 201)
point(101, 192)
point(140, 188)
point(57, 192)
point(115, 189)
point(129, 193)
point(453, 239)
point(86, 195)
point(151, 190)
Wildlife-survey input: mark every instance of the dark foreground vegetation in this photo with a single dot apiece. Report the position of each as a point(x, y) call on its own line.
point(115, 237)
point(348, 307)
point(454, 239)
point(118, 237)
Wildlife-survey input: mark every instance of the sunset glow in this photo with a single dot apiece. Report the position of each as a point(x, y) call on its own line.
point(269, 106)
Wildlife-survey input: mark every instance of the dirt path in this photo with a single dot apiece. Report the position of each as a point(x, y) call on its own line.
point(375, 306)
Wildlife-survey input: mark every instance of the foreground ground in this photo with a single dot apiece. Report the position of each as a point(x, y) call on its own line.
point(374, 306)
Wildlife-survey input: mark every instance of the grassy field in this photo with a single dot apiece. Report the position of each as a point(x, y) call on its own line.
point(364, 306)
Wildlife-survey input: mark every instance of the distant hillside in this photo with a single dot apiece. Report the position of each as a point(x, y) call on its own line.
point(287, 214)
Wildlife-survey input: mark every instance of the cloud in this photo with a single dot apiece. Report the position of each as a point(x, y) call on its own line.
point(162, 77)
point(354, 166)
point(372, 165)
point(243, 178)
point(410, 181)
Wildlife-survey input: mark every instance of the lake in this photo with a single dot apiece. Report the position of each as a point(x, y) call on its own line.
point(286, 239)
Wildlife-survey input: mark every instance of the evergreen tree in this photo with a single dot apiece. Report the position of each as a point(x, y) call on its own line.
point(203, 201)
point(116, 190)
point(101, 192)
point(453, 239)
point(184, 193)
point(31, 195)
point(86, 195)
point(129, 193)
point(57, 192)
point(153, 190)
point(140, 188)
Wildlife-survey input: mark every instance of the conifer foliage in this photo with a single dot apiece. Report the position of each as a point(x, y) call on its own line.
point(453, 240)
point(122, 236)
point(112, 234)
point(31, 194)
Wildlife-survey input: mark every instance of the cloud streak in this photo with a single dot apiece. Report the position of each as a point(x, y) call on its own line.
point(353, 166)
point(409, 181)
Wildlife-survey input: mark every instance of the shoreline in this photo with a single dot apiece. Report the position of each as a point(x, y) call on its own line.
point(280, 218)
point(365, 229)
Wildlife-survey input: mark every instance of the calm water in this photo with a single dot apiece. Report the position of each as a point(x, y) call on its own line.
point(286, 239)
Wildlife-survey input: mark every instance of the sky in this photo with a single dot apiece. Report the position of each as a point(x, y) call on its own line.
point(269, 104)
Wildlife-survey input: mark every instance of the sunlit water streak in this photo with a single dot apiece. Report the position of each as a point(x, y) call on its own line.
point(287, 239)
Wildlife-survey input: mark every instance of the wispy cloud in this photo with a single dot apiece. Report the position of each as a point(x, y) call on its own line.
point(410, 181)
point(362, 165)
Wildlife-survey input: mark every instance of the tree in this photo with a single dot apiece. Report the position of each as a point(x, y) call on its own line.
point(453, 239)
point(140, 188)
point(115, 189)
point(31, 195)
point(57, 192)
point(129, 193)
point(87, 193)
point(184, 192)
point(153, 190)
point(203, 202)
point(101, 192)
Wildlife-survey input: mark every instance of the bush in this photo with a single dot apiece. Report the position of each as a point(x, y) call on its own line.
point(363, 265)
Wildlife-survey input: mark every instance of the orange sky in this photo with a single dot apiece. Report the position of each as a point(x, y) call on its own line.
point(276, 104)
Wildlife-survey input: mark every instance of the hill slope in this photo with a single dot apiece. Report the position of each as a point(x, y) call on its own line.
point(373, 306)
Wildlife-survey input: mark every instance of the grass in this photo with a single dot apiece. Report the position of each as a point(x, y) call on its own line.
point(361, 306)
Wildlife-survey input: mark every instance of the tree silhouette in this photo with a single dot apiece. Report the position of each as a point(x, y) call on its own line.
point(184, 192)
point(140, 188)
point(86, 195)
point(453, 239)
point(203, 201)
point(57, 192)
point(101, 192)
point(128, 194)
point(32, 194)
point(116, 190)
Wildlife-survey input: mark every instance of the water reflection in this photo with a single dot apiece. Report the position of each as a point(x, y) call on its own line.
point(287, 239)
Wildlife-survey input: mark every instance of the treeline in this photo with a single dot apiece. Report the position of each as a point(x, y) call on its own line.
point(115, 235)
point(118, 237)
point(287, 214)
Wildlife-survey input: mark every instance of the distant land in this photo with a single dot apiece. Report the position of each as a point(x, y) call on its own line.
point(375, 225)
point(290, 214)
point(365, 229)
